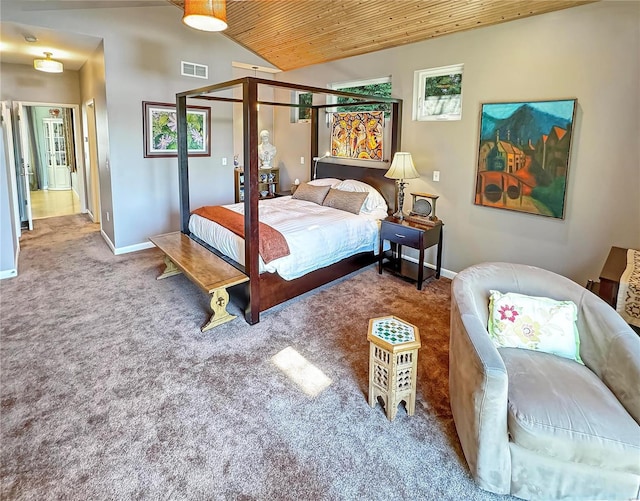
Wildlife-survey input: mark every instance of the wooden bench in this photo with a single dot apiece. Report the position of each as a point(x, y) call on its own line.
point(209, 272)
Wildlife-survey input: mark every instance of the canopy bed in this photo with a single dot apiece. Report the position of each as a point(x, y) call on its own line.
point(266, 287)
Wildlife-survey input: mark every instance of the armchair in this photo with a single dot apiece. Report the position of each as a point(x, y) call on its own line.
point(535, 425)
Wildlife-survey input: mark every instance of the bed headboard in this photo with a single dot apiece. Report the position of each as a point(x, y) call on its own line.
point(370, 175)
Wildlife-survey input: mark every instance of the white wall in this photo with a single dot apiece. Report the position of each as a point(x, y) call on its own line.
point(588, 52)
point(143, 47)
point(20, 82)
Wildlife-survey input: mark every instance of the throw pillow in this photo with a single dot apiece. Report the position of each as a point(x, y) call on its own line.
point(325, 181)
point(374, 202)
point(310, 193)
point(534, 323)
point(345, 200)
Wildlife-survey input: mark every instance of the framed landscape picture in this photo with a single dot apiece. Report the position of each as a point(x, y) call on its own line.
point(523, 156)
point(160, 130)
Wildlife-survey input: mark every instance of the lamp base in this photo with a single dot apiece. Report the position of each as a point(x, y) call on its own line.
point(399, 214)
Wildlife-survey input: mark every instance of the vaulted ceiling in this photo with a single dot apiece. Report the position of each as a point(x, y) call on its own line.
point(291, 34)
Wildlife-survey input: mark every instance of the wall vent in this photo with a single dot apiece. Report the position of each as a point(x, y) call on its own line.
point(195, 70)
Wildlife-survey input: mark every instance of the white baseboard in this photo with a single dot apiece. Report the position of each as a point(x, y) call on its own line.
point(14, 271)
point(129, 248)
point(133, 248)
point(8, 273)
point(443, 271)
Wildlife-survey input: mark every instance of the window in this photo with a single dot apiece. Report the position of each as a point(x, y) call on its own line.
point(299, 114)
point(374, 86)
point(437, 93)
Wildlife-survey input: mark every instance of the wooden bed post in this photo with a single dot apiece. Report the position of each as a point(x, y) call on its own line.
point(315, 131)
point(251, 227)
point(396, 117)
point(183, 163)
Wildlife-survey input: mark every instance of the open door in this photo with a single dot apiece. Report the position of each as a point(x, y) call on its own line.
point(22, 161)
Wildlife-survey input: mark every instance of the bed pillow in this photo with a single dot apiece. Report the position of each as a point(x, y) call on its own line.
point(311, 193)
point(374, 202)
point(325, 181)
point(534, 323)
point(349, 201)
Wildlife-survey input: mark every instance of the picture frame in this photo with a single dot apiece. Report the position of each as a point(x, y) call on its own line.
point(523, 156)
point(160, 131)
point(358, 135)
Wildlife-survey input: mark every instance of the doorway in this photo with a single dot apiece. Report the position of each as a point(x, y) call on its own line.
point(51, 163)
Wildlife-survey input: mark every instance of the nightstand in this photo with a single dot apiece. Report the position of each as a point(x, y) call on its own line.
point(414, 235)
point(283, 193)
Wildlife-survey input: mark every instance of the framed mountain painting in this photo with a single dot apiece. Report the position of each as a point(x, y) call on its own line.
point(523, 156)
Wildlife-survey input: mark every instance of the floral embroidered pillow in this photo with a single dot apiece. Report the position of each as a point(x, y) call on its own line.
point(534, 323)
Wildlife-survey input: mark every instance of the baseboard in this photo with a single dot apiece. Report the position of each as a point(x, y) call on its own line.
point(133, 248)
point(129, 248)
point(14, 271)
point(443, 272)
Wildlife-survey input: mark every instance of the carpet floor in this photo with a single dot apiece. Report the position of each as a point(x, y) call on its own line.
point(110, 391)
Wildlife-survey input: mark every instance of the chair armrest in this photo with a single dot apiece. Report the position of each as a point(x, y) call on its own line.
point(478, 390)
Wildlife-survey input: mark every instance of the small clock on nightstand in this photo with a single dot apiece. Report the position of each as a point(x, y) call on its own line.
point(424, 209)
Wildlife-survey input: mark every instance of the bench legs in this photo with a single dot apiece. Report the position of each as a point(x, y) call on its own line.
point(219, 301)
point(219, 298)
point(170, 269)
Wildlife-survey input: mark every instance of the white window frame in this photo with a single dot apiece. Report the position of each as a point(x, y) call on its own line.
point(353, 83)
point(419, 82)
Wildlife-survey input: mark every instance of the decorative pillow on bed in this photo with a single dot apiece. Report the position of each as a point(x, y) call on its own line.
point(311, 193)
point(374, 202)
point(345, 200)
point(325, 181)
point(534, 323)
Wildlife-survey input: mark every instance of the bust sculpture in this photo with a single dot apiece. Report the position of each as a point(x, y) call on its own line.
point(266, 151)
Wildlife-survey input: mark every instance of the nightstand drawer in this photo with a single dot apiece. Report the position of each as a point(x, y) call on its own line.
point(402, 235)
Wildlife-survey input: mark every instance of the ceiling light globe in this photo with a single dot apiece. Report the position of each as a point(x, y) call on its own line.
point(204, 23)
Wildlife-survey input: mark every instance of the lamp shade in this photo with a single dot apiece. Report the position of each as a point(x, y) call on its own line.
point(402, 167)
point(205, 15)
point(48, 65)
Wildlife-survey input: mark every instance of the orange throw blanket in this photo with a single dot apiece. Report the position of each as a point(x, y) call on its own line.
point(272, 244)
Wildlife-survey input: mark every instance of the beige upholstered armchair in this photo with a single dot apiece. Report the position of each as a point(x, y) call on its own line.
point(536, 425)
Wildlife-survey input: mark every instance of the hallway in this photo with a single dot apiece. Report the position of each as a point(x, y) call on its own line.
point(50, 203)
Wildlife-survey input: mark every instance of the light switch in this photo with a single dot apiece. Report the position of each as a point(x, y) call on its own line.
point(436, 175)
point(224, 160)
point(301, 160)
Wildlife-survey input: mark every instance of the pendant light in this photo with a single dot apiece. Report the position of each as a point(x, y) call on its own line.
point(48, 65)
point(205, 15)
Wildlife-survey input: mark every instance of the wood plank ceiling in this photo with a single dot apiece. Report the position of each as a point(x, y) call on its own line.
point(291, 34)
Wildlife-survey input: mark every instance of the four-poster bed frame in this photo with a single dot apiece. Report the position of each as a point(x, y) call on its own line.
point(263, 291)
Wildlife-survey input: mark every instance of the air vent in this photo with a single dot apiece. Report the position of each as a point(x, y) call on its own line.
point(195, 70)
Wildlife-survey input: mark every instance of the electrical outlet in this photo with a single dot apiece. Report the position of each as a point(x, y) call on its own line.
point(301, 160)
point(436, 175)
point(108, 216)
point(224, 160)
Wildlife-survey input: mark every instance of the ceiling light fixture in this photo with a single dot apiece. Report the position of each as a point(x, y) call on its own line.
point(30, 38)
point(205, 15)
point(48, 65)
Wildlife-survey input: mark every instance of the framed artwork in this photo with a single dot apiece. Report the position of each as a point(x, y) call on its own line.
point(160, 130)
point(357, 135)
point(437, 93)
point(523, 156)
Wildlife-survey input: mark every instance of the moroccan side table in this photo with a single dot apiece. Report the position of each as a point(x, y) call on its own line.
point(393, 363)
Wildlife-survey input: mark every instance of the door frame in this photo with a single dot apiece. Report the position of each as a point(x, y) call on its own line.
point(92, 171)
point(77, 131)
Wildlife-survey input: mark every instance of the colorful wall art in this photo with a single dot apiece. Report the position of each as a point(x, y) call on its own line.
point(357, 135)
point(523, 157)
point(160, 130)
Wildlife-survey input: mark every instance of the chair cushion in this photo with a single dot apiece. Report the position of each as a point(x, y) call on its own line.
point(561, 409)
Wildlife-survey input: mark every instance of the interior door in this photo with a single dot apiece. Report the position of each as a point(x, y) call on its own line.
point(22, 152)
point(8, 134)
point(59, 172)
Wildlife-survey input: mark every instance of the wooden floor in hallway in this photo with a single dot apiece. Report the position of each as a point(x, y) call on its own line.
point(51, 203)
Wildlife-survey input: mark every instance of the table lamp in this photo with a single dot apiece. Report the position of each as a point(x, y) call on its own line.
point(401, 168)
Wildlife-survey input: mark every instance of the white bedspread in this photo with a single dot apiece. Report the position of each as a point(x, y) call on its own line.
point(317, 236)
